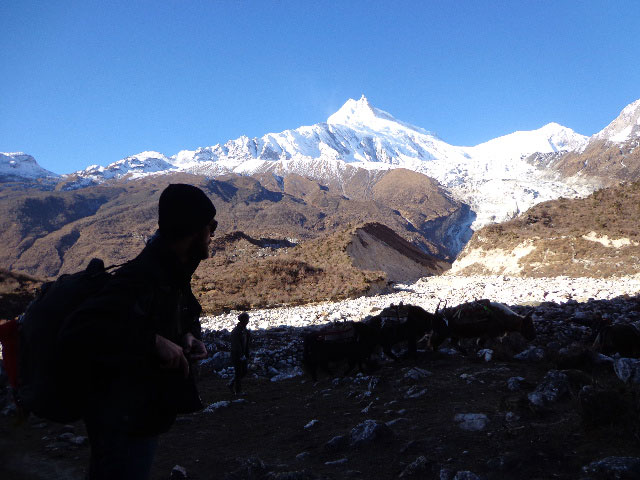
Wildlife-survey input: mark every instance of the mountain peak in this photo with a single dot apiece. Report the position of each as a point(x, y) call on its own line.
point(360, 113)
point(354, 112)
point(624, 127)
point(19, 165)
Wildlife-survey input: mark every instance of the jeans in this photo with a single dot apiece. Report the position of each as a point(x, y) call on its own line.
point(116, 454)
point(239, 371)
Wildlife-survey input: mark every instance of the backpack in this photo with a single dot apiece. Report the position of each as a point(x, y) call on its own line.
point(48, 385)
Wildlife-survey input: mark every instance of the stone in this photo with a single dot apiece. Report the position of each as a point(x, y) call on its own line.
point(217, 406)
point(10, 410)
point(485, 354)
point(473, 422)
point(418, 467)
point(446, 474)
point(369, 431)
point(289, 373)
point(511, 417)
point(218, 360)
point(340, 461)
point(367, 408)
point(396, 421)
point(515, 383)
point(415, 392)
point(531, 354)
point(627, 369)
point(618, 468)
point(310, 424)
point(302, 456)
point(79, 440)
point(553, 387)
point(178, 473)
point(416, 374)
point(337, 444)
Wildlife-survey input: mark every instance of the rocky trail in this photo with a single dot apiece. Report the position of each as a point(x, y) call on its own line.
point(549, 408)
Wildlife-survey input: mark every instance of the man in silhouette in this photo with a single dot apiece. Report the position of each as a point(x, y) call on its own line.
point(240, 344)
point(139, 337)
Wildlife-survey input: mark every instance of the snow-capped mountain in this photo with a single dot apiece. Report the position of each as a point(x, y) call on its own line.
point(624, 128)
point(136, 165)
point(494, 178)
point(19, 166)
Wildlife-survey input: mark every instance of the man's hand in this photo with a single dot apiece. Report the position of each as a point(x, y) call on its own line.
point(171, 355)
point(194, 348)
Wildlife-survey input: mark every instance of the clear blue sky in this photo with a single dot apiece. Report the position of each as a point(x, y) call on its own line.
point(90, 82)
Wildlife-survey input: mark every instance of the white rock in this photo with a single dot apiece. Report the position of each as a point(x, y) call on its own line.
point(216, 406)
point(310, 424)
point(486, 354)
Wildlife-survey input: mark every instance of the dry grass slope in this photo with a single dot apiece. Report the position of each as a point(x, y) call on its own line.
point(244, 275)
point(597, 236)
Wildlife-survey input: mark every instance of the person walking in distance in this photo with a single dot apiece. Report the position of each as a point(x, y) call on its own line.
point(240, 344)
point(140, 336)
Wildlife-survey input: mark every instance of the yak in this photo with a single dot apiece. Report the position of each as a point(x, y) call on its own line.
point(622, 338)
point(350, 341)
point(404, 323)
point(482, 319)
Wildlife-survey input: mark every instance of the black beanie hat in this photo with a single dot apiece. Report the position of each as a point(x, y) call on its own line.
point(183, 209)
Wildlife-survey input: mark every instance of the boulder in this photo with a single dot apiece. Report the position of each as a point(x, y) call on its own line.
point(473, 422)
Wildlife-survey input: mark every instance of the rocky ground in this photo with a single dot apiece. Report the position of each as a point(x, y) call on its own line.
point(550, 408)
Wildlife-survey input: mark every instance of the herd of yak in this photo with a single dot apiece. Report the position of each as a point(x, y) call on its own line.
point(355, 342)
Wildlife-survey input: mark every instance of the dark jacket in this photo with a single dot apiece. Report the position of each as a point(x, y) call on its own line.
point(114, 334)
point(240, 343)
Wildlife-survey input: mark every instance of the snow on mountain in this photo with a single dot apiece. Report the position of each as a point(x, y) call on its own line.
point(142, 164)
point(493, 177)
point(625, 127)
point(20, 166)
point(361, 115)
point(497, 182)
point(550, 138)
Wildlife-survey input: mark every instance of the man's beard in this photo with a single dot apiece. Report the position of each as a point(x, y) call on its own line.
point(199, 251)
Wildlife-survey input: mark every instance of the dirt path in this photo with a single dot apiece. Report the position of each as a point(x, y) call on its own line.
point(270, 425)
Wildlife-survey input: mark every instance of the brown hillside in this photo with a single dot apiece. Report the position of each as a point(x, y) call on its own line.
point(16, 291)
point(608, 162)
point(251, 273)
point(596, 236)
point(46, 233)
point(246, 273)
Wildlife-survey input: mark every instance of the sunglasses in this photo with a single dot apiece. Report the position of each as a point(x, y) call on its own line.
point(212, 226)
